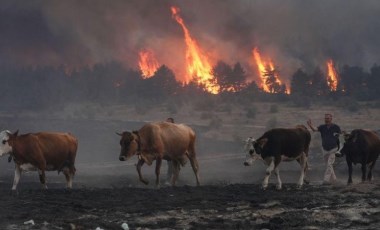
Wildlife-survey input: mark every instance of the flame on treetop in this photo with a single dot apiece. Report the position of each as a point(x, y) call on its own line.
point(265, 69)
point(148, 63)
point(332, 75)
point(198, 65)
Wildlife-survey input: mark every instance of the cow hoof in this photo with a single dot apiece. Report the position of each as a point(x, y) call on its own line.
point(145, 182)
point(299, 187)
point(306, 181)
point(278, 187)
point(263, 188)
point(14, 193)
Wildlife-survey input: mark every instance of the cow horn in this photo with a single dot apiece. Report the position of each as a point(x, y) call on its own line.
point(119, 134)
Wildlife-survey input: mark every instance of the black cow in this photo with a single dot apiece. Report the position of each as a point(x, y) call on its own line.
point(278, 145)
point(360, 146)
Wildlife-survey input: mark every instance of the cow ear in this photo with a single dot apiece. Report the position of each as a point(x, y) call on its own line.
point(354, 137)
point(262, 142)
point(347, 136)
point(136, 135)
point(15, 133)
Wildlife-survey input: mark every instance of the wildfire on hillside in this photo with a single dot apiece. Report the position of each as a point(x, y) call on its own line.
point(148, 63)
point(198, 65)
point(266, 69)
point(332, 75)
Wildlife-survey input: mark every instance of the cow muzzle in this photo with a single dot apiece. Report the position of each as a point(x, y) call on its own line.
point(248, 161)
point(122, 158)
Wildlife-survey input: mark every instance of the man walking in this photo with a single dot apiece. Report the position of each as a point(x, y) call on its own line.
point(329, 146)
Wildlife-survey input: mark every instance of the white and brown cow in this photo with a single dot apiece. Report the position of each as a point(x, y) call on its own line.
point(158, 141)
point(43, 151)
point(280, 144)
point(360, 146)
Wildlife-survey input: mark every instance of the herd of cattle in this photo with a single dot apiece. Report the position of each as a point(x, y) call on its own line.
point(176, 143)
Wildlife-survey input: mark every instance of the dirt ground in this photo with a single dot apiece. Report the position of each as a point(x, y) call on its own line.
point(108, 198)
point(107, 192)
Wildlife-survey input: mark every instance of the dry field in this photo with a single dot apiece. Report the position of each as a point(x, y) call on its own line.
point(107, 192)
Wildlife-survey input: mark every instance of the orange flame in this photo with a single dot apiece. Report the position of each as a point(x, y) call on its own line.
point(332, 75)
point(198, 66)
point(263, 67)
point(148, 63)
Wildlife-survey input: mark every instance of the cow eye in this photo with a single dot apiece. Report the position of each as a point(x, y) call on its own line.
point(4, 141)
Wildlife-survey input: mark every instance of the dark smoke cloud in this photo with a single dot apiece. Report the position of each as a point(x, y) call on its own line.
point(294, 33)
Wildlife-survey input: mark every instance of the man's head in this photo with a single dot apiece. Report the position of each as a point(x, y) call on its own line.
point(170, 119)
point(328, 118)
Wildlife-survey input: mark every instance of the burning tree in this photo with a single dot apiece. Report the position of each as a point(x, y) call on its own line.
point(271, 81)
point(269, 75)
point(229, 79)
point(160, 86)
point(147, 63)
point(198, 65)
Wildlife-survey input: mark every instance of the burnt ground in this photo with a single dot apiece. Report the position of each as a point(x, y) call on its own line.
point(108, 201)
point(107, 193)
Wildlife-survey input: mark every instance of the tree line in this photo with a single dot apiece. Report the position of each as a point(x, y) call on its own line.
point(110, 83)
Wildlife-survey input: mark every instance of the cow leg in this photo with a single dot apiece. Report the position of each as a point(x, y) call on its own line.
point(195, 166)
point(169, 173)
point(158, 169)
point(41, 173)
point(303, 164)
point(138, 167)
point(306, 168)
point(279, 182)
point(349, 164)
point(364, 171)
point(369, 178)
point(176, 168)
point(16, 178)
point(69, 177)
point(268, 172)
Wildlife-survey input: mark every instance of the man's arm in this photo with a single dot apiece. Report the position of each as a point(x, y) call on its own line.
point(310, 124)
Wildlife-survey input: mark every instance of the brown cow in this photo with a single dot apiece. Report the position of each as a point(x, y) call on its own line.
point(360, 147)
point(157, 141)
point(40, 151)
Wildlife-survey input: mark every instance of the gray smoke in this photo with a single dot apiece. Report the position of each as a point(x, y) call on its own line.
point(293, 33)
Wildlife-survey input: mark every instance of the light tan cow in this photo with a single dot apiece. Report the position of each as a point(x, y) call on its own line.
point(158, 141)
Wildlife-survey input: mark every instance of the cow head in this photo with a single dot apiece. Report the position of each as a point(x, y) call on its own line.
point(6, 137)
point(129, 144)
point(253, 149)
point(343, 139)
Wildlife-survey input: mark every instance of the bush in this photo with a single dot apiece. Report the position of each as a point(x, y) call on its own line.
point(349, 104)
point(172, 108)
point(141, 109)
point(271, 123)
point(251, 112)
point(273, 108)
point(204, 104)
point(215, 123)
point(301, 101)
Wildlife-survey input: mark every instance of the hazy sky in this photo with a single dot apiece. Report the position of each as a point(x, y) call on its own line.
point(294, 34)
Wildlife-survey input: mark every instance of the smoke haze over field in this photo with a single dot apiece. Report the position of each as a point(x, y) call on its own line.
point(293, 33)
